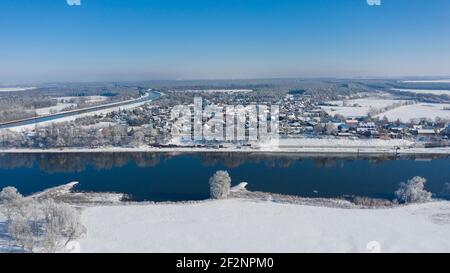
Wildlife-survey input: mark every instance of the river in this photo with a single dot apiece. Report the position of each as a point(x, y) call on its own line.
point(172, 177)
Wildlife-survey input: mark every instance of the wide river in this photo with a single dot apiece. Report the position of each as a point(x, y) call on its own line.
point(170, 177)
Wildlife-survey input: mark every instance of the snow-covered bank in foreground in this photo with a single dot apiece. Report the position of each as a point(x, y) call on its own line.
point(257, 226)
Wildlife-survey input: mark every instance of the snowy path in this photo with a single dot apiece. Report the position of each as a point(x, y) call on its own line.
point(250, 226)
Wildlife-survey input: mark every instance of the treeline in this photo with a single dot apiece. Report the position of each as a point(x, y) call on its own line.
point(63, 135)
point(20, 107)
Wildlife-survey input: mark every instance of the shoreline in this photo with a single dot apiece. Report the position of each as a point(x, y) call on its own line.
point(303, 150)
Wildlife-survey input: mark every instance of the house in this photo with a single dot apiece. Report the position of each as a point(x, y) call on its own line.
point(343, 128)
point(425, 130)
point(446, 131)
point(352, 123)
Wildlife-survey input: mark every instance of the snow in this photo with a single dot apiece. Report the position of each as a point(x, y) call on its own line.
point(428, 81)
point(343, 142)
point(236, 225)
point(230, 91)
point(54, 109)
point(308, 146)
point(89, 99)
point(64, 102)
point(418, 111)
point(363, 107)
point(113, 108)
point(16, 89)
point(424, 91)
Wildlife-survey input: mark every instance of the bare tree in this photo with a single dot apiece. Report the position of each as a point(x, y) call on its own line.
point(413, 191)
point(61, 225)
point(219, 185)
point(10, 199)
point(42, 225)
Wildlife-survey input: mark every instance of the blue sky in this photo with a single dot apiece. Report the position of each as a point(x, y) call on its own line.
point(48, 40)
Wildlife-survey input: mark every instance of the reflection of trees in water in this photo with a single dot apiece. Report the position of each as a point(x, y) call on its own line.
point(73, 162)
point(7, 161)
point(77, 162)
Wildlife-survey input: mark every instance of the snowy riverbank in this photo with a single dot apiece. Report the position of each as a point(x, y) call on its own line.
point(286, 150)
point(264, 226)
point(252, 222)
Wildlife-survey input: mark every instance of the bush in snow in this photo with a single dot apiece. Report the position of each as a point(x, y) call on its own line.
point(39, 226)
point(371, 202)
point(219, 185)
point(413, 191)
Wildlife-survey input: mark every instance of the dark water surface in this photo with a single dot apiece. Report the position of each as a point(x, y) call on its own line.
point(166, 177)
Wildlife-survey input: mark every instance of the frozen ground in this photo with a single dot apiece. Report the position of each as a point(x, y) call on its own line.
point(299, 145)
point(264, 226)
point(64, 102)
point(418, 111)
point(256, 223)
point(15, 89)
point(427, 81)
point(54, 109)
point(424, 91)
point(358, 107)
point(230, 91)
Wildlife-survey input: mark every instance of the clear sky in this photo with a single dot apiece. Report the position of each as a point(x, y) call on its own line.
point(48, 40)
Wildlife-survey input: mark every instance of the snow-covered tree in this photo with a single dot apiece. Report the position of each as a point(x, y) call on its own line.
point(413, 191)
point(40, 225)
point(61, 225)
point(10, 199)
point(219, 185)
point(24, 223)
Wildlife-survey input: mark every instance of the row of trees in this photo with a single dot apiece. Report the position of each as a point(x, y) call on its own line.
point(63, 135)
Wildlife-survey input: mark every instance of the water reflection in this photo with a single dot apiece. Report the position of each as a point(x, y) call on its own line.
point(77, 162)
point(174, 177)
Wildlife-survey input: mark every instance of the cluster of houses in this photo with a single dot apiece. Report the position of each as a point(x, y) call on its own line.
point(301, 115)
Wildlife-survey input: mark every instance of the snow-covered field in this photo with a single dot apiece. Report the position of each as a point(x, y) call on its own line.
point(258, 226)
point(358, 107)
point(418, 111)
point(230, 91)
point(65, 102)
point(424, 91)
point(427, 81)
point(54, 109)
point(16, 89)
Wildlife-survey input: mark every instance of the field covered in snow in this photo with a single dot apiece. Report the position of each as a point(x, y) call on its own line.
point(417, 111)
point(65, 102)
point(16, 89)
point(258, 226)
point(358, 107)
point(391, 108)
point(424, 91)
